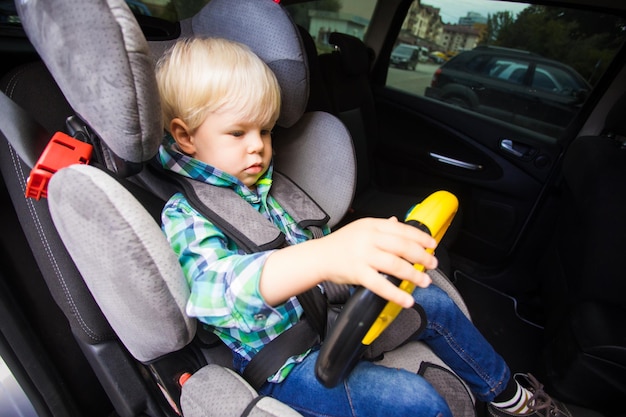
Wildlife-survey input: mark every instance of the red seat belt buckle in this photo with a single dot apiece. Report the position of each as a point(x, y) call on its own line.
point(62, 151)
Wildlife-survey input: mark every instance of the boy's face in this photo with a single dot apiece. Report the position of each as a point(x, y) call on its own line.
point(242, 149)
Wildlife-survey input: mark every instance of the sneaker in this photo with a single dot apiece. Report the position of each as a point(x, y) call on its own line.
point(540, 404)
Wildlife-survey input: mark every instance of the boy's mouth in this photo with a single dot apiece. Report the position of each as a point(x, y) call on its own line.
point(254, 169)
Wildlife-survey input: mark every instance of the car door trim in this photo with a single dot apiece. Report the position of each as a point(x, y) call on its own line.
point(455, 162)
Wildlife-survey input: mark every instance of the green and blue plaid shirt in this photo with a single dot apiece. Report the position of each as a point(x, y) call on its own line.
point(223, 279)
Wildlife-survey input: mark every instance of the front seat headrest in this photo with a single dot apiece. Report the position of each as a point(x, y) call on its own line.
point(355, 56)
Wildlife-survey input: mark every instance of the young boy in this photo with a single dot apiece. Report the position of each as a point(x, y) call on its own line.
point(220, 103)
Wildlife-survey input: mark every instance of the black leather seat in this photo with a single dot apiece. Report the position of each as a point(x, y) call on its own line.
point(584, 267)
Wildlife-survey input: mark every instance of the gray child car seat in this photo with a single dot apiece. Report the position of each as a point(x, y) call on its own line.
point(104, 67)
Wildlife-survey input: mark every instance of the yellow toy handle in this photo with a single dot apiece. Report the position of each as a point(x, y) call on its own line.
point(433, 216)
point(366, 315)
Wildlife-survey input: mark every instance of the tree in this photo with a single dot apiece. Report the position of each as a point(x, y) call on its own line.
point(495, 23)
point(587, 42)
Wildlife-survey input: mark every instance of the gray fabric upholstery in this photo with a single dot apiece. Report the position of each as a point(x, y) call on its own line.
point(419, 358)
point(319, 143)
point(451, 387)
point(443, 282)
point(274, 38)
point(100, 59)
point(123, 257)
point(230, 396)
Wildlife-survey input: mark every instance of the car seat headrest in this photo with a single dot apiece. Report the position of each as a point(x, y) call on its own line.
point(274, 38)
point(355, 56)
point(101, 61)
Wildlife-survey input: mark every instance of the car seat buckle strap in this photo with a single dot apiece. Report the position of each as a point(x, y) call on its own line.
point(294, 341)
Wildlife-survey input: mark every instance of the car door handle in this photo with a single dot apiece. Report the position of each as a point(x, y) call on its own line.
point(455, 162)
point(517, 149)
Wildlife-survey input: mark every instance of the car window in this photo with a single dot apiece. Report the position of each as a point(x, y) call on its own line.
point(558, 80)
point(543, 80)
point(485, 56)
point(322, 17)
point(513, 71)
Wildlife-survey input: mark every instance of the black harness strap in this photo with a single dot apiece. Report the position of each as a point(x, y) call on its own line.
point(17, 123)
point(250, 408)
point(294, 341)
point(315, 308)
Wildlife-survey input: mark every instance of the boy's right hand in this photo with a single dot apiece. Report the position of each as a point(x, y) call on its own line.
point(357, 254)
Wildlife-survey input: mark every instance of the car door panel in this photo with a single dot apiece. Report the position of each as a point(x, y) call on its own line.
point(497, 170)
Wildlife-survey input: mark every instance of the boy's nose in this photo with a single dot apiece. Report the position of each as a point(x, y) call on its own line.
point(255, 143)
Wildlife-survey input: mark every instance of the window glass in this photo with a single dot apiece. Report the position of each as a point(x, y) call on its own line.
point(322, 17)
point(557, 80)
point(551, 57)
point(511, 70)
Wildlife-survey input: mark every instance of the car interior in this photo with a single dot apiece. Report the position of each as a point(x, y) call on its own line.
point(93, 299)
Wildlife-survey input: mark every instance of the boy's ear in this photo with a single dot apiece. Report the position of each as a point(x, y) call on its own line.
point(180, 133)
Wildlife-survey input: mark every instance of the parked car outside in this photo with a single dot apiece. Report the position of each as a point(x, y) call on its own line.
point(516, 86)
point(438, 57)
point(407, 56)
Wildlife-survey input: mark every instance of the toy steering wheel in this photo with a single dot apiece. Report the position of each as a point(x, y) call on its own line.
point(366, 315)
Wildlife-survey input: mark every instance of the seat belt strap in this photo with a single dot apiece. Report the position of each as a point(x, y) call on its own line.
point(16, 124)
point(315, 308)
point(230, 213)
point(294, 341)
point(239, 220)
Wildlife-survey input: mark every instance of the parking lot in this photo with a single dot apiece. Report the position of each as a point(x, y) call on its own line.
point(412, 81)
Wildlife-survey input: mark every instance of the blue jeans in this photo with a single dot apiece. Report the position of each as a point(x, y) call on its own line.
point(374, 390)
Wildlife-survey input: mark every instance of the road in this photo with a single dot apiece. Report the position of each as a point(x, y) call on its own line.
point(412, 81)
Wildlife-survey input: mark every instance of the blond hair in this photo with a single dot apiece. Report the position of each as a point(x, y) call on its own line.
point(198, 76)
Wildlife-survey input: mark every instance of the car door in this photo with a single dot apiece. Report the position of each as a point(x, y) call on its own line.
point(500, 169)
point(496, 170)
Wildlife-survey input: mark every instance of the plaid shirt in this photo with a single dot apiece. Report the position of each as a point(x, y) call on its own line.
point(223, 279)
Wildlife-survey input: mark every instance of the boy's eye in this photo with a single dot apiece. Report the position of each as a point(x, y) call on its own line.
point(237, 133)
point(266, 132)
